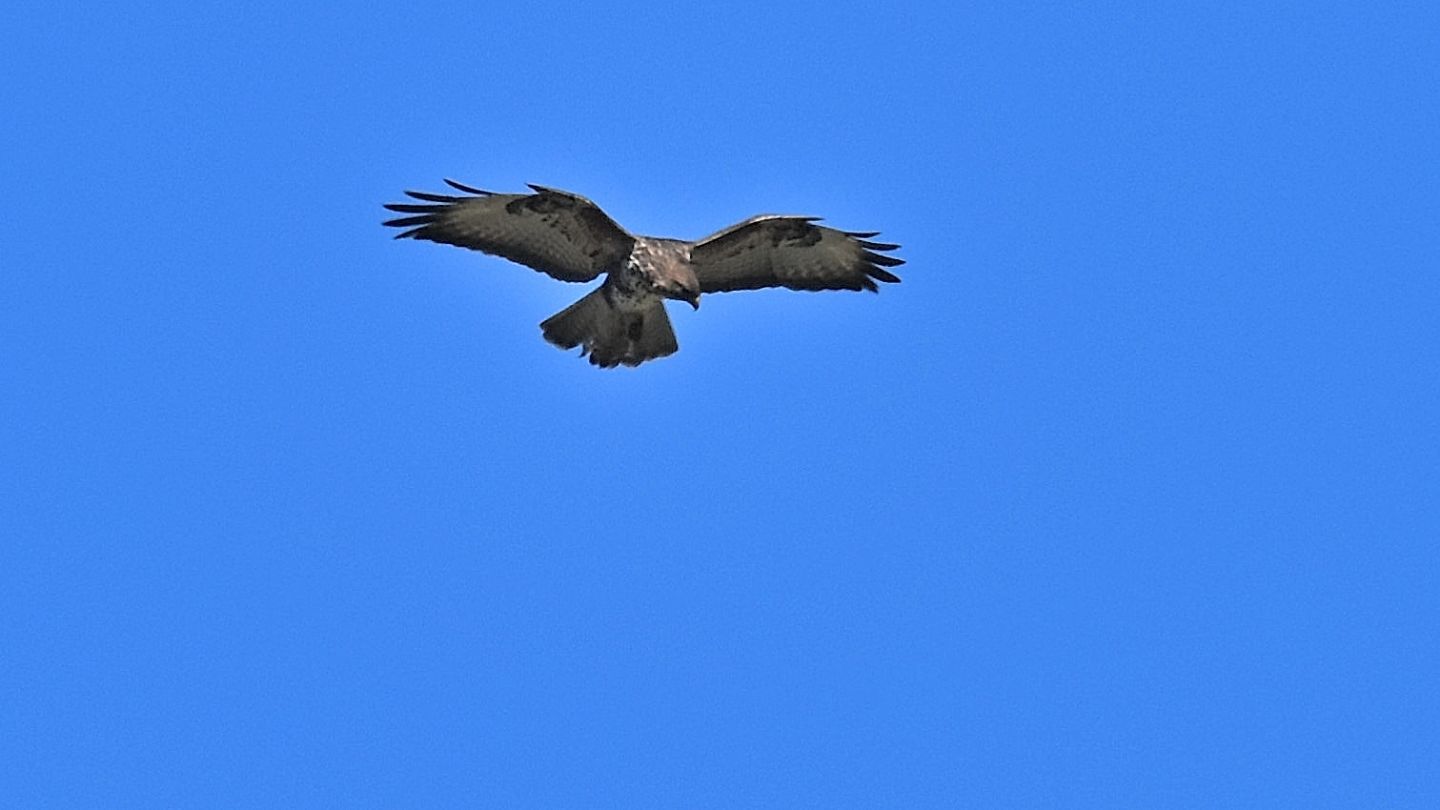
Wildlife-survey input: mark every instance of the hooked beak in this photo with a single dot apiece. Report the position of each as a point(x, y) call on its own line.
point(691, 298)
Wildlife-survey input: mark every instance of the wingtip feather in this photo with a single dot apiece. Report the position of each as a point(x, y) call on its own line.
point(868, 245)
point(539, 189)
point(430, 197)
point(883, 275)
point(402, 222)
point(459, 186)
point(881, 260)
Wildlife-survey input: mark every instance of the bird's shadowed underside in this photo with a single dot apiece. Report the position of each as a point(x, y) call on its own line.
point(608, 336)
point(623, 321)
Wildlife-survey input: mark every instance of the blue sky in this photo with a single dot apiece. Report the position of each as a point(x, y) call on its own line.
point(1125, 497)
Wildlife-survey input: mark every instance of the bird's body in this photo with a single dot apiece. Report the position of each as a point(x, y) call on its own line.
point(654, 267)
point(631, 303)
point(623, 322)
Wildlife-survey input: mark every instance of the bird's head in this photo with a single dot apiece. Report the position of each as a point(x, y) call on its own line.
point(667, 263)
point(690, 295)
point(684, 289)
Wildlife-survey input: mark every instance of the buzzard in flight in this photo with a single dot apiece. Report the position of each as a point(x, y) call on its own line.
point(623, 321)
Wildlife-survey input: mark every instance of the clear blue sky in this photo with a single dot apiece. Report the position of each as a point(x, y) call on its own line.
point(1128, 495)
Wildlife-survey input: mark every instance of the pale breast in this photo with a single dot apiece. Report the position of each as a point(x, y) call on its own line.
point(630, 288)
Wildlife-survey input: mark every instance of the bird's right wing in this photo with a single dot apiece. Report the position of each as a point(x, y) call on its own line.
point(558, 233)
point(787, 251)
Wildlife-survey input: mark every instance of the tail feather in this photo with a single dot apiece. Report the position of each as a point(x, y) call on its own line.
point(609, 336)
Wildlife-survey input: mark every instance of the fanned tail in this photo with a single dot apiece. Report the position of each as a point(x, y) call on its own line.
point(610, 337)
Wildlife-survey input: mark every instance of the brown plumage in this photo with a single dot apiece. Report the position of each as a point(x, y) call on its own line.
point(623, 321)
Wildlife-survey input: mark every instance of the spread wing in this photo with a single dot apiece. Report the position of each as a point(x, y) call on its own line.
point(558, 233)
point(787, 251)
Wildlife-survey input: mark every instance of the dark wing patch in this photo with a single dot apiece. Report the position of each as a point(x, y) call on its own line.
point(793, 252)
point(558, 233)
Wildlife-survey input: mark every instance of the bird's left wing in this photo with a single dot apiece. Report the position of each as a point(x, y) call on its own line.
point(558, 233)
point(788, 251)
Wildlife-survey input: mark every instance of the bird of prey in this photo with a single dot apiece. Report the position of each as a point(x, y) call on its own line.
point(623, 321)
